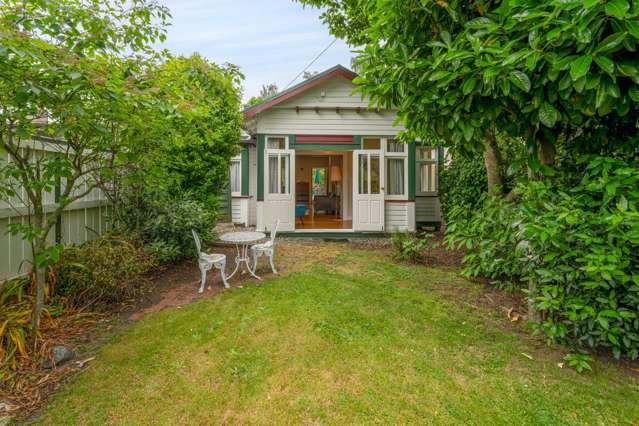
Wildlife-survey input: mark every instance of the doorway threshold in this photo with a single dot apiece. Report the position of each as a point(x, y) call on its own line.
point(332, 233)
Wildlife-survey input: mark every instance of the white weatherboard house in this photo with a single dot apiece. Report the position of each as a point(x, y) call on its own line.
point(317, 158)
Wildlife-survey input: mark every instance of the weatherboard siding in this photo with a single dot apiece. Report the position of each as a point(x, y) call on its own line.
point(399, 216)
point(427, 209)
point(328, 122)
point(335, 113)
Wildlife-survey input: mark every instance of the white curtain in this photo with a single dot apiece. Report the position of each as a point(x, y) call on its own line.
point(236, 177)
point(395, 176)
point(272, 174)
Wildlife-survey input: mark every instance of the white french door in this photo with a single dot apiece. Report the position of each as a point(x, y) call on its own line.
point(279, 188)
point(368, 190)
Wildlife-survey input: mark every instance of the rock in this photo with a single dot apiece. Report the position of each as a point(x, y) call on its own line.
point(58, 355)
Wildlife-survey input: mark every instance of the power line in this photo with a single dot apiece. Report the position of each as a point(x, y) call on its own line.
point(311, 63)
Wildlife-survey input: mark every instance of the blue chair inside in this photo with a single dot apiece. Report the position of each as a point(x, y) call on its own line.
point(300, 211)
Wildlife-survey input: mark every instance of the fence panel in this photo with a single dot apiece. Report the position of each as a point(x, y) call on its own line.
point(83, 220)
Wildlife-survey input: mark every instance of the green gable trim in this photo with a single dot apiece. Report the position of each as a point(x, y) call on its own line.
point(412, 170)
point(357, 141)
point(245, 170)
point(260, 167)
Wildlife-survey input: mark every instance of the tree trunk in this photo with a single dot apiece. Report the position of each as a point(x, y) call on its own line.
point(546, 152)
point(39, 276)
point(493, 162)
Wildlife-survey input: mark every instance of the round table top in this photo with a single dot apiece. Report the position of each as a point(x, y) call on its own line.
point(242, 236)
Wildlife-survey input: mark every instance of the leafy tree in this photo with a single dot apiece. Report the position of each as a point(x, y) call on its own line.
point(539, 70)
point(66, 61)
point(268, 90)
point(204, 128)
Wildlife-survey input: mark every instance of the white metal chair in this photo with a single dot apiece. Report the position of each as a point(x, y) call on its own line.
point(267, 249)
point(207, 261)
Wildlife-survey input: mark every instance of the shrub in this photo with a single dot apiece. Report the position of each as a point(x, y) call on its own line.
point(101, 271)
point(577, 246)
point(409, 247)
point(164, 223)
point(15, 323)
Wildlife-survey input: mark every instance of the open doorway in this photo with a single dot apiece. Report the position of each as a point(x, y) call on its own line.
point(323, 190)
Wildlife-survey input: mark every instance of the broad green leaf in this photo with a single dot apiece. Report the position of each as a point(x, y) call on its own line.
point(590, 3)
point(633, 92)
point(548, 115)
point(617, 8)
point(605, 64)
point(622, 205)
point(611, 42)
point(633, 28)
point(580, 67)
point(469, 85)
point(520, 80)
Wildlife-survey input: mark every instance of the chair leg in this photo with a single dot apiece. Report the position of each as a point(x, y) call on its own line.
point(270, 259)
point(255, 257)
point(222, 268)
point(202, 279)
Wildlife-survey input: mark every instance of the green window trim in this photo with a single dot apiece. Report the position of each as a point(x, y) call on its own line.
point(412, 170)
point(440, 164)
point(260, 167)
point(245, 171)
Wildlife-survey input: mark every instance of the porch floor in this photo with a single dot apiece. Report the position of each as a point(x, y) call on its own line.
point(323, 221)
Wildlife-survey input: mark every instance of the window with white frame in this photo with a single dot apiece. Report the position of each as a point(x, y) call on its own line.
point(278, 163)
point(276, 142)
point(279, 173)
point(396, 169)
point(236, 176)
point(426, 170)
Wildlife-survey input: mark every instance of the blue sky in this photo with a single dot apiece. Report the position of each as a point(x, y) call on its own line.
point(270, 40)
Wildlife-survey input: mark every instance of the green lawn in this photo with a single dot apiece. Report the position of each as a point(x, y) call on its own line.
point(356, 340)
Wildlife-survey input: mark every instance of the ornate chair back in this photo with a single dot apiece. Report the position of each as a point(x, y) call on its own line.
point(197, 242)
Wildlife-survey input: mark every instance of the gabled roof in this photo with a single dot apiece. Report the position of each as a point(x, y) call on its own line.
point(316, 80)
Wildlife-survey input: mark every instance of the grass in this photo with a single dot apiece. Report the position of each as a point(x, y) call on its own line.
point(356, 339)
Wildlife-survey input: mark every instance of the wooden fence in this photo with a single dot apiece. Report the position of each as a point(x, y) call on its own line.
point(81, 221)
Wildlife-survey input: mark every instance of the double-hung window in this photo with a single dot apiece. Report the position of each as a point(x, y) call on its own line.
point(236, 176)
point(396, 169)
point(426, 170)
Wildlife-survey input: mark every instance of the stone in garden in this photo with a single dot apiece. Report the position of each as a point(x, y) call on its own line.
point(58, 355)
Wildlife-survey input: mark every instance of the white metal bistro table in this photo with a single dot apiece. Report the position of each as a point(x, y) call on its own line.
point(242, 241)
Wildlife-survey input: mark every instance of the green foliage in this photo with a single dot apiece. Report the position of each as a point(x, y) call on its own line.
point(200, 132)
point(463, 183)
point(15, 315)
point(579, 362)
point(409, 247)
point(102, 271)
point(575, 245)
point(533, 69)
point(164, 223)
point(74, 65)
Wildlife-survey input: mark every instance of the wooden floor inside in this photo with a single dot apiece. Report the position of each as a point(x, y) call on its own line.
point(323, 221)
